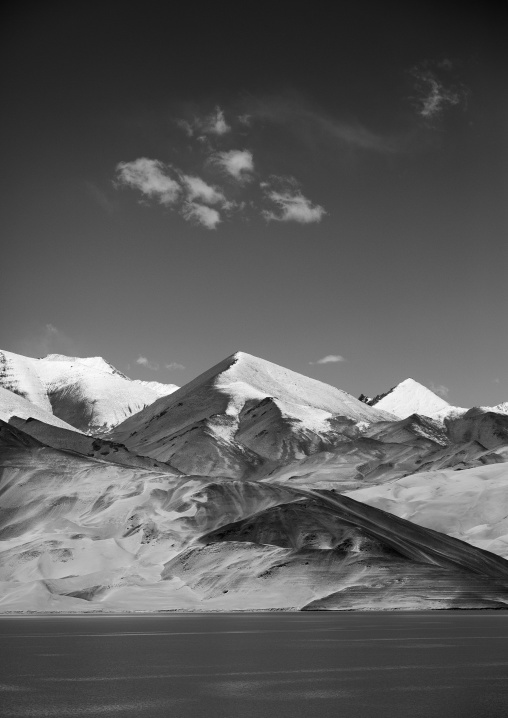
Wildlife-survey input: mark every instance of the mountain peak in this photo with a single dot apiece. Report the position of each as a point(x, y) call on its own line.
point(410, 397)
point(246, 410)
point(96, 363)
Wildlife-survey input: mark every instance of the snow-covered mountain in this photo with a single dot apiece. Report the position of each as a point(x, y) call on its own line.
point(498, 408)
point(87, 523)
point(12, 404)
point(411, 397)
point(471, 505)
point(87, 393)
point(241, 416)
point(80, 534)
point(389, 450)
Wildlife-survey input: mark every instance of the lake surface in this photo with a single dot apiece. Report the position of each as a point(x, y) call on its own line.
point(277, 665)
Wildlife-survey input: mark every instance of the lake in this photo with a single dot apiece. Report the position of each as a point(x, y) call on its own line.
point(271, 665)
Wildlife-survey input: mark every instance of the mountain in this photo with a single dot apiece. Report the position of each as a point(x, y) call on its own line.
point(58, 437)
point(78, 533)
point(14, 405)
point(390, 450)
point(498, 409)
point(488, 428)
point(241, 418)
point(87, 393)
point(471, 505)
point(411, 397)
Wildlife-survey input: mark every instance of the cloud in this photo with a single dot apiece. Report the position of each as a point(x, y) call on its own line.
point(174, 365)
point(200, 190)
point(291, 205)
point(216, 124)
point(150, 178)
point(212, 124)
point(237, 163)
point(191, 194)
point(201, 214)
point(329, 359)
point(440, 389)
point(143, 361)
point(433, 94)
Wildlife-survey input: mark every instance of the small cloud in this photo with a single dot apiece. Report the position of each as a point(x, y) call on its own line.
point(291, 205)
point(200, 190)
point(433, 94)
point(174, 365)
point(237, 163)
point(496, 381)
point(440, 389)
point(212, 124)
point(329, 359)
point(185, 126)
point(150, 177)
point(143, 361)
point(216, 124)
point(201, 214)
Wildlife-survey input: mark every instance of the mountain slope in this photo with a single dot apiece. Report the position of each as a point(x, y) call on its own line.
point(471, 505)
point(390, 450)
point(14, 405)
point(87, 393)
point(241, 416)
point(80, 534)
point(411, 397)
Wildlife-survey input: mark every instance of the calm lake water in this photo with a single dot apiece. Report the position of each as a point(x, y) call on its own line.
point(278, 665)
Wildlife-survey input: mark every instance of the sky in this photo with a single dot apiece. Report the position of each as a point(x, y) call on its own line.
point(321, 187)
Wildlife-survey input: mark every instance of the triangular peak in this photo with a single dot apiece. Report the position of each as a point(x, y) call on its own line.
point(410, 397)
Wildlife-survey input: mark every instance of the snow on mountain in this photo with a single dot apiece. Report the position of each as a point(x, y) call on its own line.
point(390, 450)
point(80, 534)
point(241, 415)
point(498, 409)
point(12, 404)
point(411, 397)
point(87, 393)
point(19, 375)
point(471, 505)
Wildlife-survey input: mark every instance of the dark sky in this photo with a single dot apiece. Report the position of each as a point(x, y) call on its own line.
point(288, 180)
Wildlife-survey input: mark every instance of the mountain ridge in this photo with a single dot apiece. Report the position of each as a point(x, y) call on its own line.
point(242, 407)
point(87, 393)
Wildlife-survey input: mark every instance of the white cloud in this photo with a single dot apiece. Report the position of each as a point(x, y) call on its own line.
point(200, 190)
point(201, 214)
point(237, 163)
point(143, 361)
point(440, 389)
point(329, 359)
point(212, 124)
point(292, 206)
point(433, 94)
point(185, 126)
point(215, 123)
point(174, 365)
point(150, 178)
